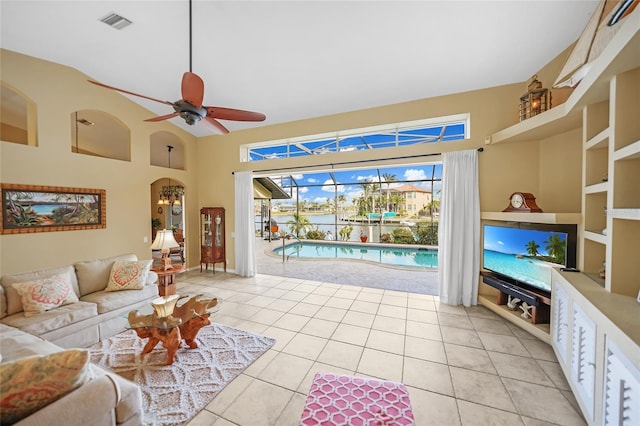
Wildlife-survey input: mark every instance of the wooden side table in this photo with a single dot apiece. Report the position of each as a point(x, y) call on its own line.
point(167, 279)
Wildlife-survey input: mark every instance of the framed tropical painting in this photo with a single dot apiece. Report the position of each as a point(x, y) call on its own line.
point(36, 208)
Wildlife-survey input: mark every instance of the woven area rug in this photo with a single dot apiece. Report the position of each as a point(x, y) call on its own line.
point(173, 394)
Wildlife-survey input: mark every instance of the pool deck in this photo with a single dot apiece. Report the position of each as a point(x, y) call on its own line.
point(349, 272)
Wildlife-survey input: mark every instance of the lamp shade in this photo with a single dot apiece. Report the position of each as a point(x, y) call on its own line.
point(164, 241)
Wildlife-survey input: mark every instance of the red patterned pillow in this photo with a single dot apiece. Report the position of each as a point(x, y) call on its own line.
point(128, 275)
point(29, 384)
point(45, 294)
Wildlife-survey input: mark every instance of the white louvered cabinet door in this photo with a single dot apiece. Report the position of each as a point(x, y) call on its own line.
point(560, 326)
point(583, 352)
point(621, 396)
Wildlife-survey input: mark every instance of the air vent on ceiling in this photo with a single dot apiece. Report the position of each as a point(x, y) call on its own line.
point(116, 21)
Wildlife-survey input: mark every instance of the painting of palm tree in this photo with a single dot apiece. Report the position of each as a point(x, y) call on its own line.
point(532, 248)
point(556, 248)
point(33, 208)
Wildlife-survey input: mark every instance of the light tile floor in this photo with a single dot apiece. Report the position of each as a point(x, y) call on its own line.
point(462, 366)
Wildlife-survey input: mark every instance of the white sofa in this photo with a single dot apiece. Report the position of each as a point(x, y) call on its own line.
point(97, 316)
point(104, 399)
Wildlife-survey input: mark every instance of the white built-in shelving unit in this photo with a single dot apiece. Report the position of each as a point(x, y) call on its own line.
point(595, 321)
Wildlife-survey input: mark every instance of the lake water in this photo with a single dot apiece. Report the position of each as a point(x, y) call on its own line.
point(325, 223)
point(394, 256)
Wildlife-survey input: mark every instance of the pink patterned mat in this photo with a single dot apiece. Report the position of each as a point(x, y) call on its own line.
point(346, 400)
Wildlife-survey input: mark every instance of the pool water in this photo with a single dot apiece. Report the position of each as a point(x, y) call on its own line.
point(386, 255)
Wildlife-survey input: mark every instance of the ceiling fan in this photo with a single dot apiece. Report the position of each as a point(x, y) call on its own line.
point(190, 107)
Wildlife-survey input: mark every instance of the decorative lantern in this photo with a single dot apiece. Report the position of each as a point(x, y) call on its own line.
point(536, 100)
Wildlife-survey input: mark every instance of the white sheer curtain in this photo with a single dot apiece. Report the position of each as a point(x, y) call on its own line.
point(245, 242)
point(459, 229)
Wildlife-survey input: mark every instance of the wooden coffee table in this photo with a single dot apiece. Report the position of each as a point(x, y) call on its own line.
point(183, 325)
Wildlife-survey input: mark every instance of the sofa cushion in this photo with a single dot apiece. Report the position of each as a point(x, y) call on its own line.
point(14, 301)
point(45, 294)
point(128, 275)
point(29, 384)
point(108, 301)
point(53, 319)
point(16, 344)
point(93, 275)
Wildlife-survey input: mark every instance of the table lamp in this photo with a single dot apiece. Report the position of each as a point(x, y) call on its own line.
point(165, 242)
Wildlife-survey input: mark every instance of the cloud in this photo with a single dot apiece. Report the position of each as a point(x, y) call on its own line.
point(414, 174)
point(500, 243)
point(366, 178)
point(312, 180)
point(303, 189)
point(328, 187)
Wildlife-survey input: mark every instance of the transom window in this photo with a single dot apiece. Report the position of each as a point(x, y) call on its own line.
point(442, 129)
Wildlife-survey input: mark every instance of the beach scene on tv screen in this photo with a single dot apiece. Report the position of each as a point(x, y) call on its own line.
point(526, 255)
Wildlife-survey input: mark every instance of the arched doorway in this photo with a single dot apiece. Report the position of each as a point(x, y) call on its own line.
point(168, 212)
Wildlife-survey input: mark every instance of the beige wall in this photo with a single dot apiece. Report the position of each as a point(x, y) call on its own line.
point(550, 169)
point(58, 91)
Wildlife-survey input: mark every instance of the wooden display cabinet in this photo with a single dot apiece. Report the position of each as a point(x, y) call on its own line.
point(212, 238)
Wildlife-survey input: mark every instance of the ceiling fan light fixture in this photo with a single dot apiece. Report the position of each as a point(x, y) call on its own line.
point(116, 21)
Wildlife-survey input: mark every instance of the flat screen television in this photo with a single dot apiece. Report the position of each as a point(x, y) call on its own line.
point(522, 254)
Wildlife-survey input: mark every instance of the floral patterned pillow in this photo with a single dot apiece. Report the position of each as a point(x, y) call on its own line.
point(45, 294)
point(31, 383)
point(128, 275)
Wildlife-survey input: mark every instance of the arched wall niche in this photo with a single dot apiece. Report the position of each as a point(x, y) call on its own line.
point(159, 153)
point(100, 134)
point(18, 119)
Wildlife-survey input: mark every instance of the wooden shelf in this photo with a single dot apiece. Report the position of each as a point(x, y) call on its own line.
point(620, 55)
point(599, 141)
point(552, 218)
point(595, 236)
point(541, 331)
point(629, 152)
point(596, 188)
point(628, 214)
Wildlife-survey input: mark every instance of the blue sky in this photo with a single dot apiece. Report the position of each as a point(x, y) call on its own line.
point(514, 240)
point(354, 178)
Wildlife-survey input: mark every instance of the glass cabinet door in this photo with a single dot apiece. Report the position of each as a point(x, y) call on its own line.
point(205, 221)
point(212, 233)
point(218, 229)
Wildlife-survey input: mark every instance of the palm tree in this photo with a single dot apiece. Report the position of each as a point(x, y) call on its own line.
point(388, 178)
point(433, 206)
point(340, 202)
point(532, 248)
point(366, 193)
point(556, 248)
point(300, 224)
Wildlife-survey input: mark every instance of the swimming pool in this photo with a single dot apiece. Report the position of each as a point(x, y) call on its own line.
point(390, 255)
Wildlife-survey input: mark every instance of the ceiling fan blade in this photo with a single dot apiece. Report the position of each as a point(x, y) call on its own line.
point(214, 124)
point(192, 89)
point(130, 93)
point(163, 117)
point(234, 114)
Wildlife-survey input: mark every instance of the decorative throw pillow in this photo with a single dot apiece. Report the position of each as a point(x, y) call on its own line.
point(128, 275)
point(29, 384)
point(45, 294)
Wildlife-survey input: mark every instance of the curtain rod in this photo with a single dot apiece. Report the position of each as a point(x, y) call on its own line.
point(348, 162)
